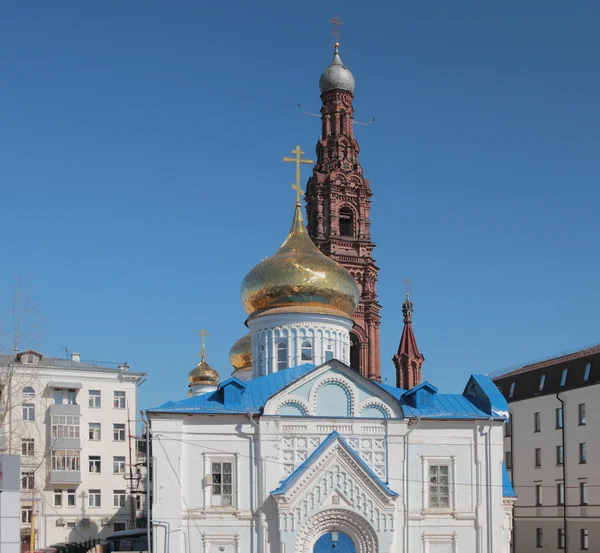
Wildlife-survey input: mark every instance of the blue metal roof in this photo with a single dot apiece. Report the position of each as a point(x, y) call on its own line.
point(334, 436)
point(507, 489)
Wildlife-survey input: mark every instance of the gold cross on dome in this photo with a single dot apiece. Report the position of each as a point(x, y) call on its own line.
point(202, 335)
point(297, 160)
point(337, 23)
point(407, 284)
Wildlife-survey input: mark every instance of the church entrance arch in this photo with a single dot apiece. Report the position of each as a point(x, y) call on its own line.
point(356, 528)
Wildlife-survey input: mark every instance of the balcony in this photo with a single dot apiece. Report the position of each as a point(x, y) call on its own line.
point(64, 409)
point(64, 477)
point(65, 443)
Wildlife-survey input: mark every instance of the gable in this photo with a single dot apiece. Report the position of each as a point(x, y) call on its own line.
point(333, 390)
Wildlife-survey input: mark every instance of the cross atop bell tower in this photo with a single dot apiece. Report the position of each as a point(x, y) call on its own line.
point(338, 206)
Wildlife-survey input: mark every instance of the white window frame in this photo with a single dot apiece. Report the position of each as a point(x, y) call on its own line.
point(209, 459)
point(97, 495)
point(119, 397)
point(58, 493)
point(119, 498)
point(65, 426)
point(27, 479)
point(29, 412)
point(95, 461)
point(121, 464)
point(94, 436)
point(435, 460)
point(71, 492)
point(27, 447)
point(26, 513)
point(94, 399)
point(64, 460)
point(117, 432)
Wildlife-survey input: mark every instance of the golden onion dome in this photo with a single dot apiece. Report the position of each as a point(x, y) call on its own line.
point(240, 354)
point(299, 278)
point(204, 374)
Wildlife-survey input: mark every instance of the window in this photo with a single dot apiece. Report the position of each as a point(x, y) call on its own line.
point(94, 431)
point(222, 483)
point(538, 457)
point(586, 372)
point(542, 383)
point(118, 465)
point(26, 515)
point(119, 498)
point(282, 361)
point(560, 494)
point(65, 426)
point(94, 498)
point(94, 399)
point(119, 526)
point(538, 494)
point(27, 479)
point(58, 498)
point(306, 351)
point(582, 418)
point(559, 417)
point(508, 427)
point(70, 498)
point(328, 354)
point(563, 377)
point(560, 538)
point(94, 464)
point(27, 447)
point(583, 453)
point(66, 459)
point(119, 432)
point(71, 397)
point(511, 392)
point(585, 539)
point(346, 222)
point(537, 423)
point(508, 462)
point(28, 412)
point(560, 455)
point(262, 360)
point(28, 392)
point(583, 487)
point(138, 502)
point(539, 537)
point(119, 400)
point(439, 486)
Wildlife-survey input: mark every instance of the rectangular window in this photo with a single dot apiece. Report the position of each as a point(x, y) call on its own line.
point(583, 453)
point(508, 462)
point(560, 494)
point(57, 394)
point(542, 382)
point(119, 526)
point(27, 479)
point(538, 494)
point(66, 459)
point(538, 457)
point(94, 431)
point(94, 464)
point(563, 377)
point(71, 397)
point(65, 426)
point(70, 498)
point(94, 399)
point(119, 400)
point(26, 515)
point(559, 417)
point(94, 498)
point(118, 465)
point(119, 432)
point(328, 355)
point(27, 447)
point(537, 422)
point(439, 486)
point(582, 417)
point(119, 498)
point(28, 412)
point(539, 537)
point(585, 539)
point(583, 487)
point(511, 391)
point(508, 427)
point(222, 483)
point(560, 457)
point(138, 502)
point(560, 541)
point(586, 372)
point(58, 498)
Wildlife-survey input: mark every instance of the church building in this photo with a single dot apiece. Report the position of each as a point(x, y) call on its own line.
point(303, 449)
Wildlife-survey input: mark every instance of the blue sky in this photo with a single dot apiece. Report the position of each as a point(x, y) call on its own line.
point(141, 173)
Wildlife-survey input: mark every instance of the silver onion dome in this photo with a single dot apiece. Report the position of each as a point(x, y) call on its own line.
point(336, 76)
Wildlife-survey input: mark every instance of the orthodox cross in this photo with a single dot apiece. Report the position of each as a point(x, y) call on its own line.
point(202, 335)
point(407, 284)
point(337, 23)
point(297, 160)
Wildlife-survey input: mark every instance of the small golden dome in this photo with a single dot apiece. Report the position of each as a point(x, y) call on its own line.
point(204, 374)
point(240, 354)
point(299, 277)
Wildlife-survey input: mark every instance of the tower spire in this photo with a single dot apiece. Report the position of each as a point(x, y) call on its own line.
point(409, 360)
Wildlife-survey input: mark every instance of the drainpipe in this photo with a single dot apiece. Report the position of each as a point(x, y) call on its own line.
point(564, 471)
point(490, 532)
point(148, 494)
point(167, 527)
point(513, 479)
point(406, 484)
point(259, 480)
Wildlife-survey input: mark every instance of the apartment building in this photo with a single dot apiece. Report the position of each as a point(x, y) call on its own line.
point(552, 452)
point(71, 422)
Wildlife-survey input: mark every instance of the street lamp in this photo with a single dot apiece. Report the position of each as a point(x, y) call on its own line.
point(334, 538)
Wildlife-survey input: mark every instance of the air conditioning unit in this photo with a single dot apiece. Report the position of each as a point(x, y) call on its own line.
point(105, 521)
point(84, 521)
point(60, 522)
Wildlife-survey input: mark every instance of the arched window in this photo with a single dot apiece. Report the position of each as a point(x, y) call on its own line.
point(28, 391)
point(282, 361)
point(306, 351)
point(262, 360)
point(346, 222)
point(354, 352)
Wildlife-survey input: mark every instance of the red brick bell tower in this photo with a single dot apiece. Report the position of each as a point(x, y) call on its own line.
point(409, 360)
point(338, 205)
